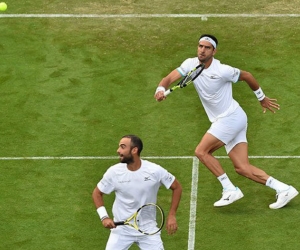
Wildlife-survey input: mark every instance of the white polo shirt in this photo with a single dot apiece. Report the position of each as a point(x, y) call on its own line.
point(133, 188)
point(214, 86)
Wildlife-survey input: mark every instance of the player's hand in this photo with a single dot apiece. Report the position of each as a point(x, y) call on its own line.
point(108, 223)
point(171, 224)
point(270, 104)
point(160, 96)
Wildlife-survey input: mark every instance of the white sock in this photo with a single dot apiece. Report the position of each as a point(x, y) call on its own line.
point(276, 184)
point(226, 183)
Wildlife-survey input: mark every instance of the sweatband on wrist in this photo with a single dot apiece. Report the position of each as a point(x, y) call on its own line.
point(102, 213)
point(259, 94)
point(160, 88)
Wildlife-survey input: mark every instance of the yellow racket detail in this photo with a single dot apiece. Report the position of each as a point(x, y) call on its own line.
point(188, 79)
point(149, 219)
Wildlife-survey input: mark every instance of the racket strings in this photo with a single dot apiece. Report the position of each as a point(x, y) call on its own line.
point(191, 76)
point(186, 81)
point(197, 72)
point(149, 219)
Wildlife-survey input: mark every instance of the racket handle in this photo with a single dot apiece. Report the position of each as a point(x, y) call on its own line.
point(167, 92)
point(119, 223)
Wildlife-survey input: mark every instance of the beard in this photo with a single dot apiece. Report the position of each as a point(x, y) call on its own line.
point(204, 59)
point(126, 159)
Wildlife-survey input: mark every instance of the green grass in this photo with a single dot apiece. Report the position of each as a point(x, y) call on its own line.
point(74, 86)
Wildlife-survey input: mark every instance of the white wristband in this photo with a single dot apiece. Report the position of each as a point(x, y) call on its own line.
point(160, 88)
point(259, 94)
point(102, 213)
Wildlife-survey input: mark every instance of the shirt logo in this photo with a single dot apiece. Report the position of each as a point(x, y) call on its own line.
point(147, 178)
point(125, 181)
point(169, 177)
point(236, 72)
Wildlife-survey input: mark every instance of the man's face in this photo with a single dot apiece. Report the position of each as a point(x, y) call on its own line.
point(124, 151)
point(205, 51)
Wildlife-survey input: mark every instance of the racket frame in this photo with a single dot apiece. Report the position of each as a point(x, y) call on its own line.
point(134, 218)
point(182, 82)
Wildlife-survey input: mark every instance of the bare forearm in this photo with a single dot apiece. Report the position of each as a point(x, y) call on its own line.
point(171, 220)
point(165, 82)
point(169, 79)
point(101, 210)
point(249, 79)
point(175, 202)
point(176, 196)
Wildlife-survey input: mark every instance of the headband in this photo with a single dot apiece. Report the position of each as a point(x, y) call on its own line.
point(206, 38)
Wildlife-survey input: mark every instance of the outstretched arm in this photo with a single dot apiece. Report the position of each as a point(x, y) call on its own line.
point(265, 102)
point(165, 83)
point(171, 219)
point(99, 203)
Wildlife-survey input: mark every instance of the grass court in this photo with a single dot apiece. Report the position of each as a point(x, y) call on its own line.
point(72, 85)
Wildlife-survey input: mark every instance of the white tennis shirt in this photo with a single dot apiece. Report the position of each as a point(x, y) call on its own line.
point(133, 188)
point(214, 86)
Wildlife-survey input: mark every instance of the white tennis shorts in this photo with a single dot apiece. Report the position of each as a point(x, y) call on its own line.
point(119, 241)
point(231, 129)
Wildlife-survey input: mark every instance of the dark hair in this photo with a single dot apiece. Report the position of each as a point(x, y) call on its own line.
point(210, 36)
point(135, 142)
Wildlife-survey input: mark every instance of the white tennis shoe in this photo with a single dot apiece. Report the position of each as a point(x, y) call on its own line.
point(284, 197)
point(228, 197)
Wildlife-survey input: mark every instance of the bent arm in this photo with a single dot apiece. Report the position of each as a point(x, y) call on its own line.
point(165, 83)
point(176, 196)
point(169, 79)
point(98, 197)
point(265, 102)
point(249, 79)
point(99, 203)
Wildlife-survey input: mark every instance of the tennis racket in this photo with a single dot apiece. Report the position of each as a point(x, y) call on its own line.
point(188, 79)
point(149, 219)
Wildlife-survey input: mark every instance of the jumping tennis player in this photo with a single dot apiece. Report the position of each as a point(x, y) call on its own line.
point(135, 182)
point(228, 121)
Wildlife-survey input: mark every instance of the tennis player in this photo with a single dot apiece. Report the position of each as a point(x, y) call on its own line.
point(228, 121)
point(135, 182)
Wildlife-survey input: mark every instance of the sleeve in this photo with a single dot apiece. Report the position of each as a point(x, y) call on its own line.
point(166, 178)
point(106, 185)
point(187, 66)
point(231, 74)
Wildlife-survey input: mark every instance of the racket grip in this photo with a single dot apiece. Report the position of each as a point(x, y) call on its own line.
point(167, 92)
point(119, 223)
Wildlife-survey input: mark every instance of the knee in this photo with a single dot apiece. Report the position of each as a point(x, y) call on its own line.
point(200, 154)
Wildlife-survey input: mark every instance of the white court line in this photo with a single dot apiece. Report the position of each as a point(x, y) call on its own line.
point(194, 184)
point(145, 157)
point(193, 204)
point(141, 15)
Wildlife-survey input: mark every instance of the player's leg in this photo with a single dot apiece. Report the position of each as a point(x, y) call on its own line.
point(119, 241)
point(150, 242)
point(208, 144)
point(204, 150)
point(221, 133)
point(240, 160)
